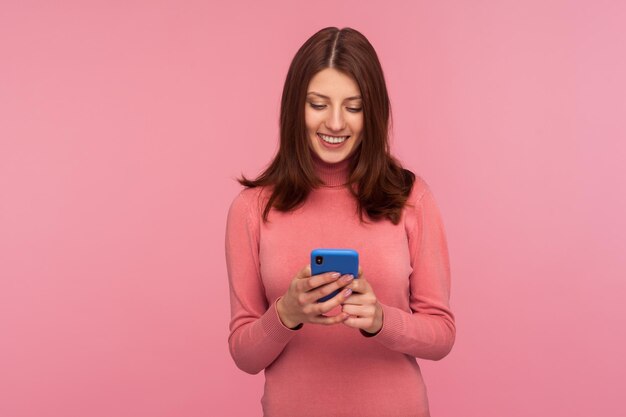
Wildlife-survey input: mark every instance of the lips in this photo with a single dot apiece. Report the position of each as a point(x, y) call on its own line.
point(333, 136)
point(331, 139)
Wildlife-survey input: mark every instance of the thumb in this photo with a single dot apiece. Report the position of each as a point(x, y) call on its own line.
point(304, 272)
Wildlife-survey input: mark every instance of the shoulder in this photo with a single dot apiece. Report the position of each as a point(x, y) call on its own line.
point(420, 206)
point(246, 197)
point(249, 202)
point(418, 190)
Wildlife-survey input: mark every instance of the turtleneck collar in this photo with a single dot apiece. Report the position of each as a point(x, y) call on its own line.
point(333, 174)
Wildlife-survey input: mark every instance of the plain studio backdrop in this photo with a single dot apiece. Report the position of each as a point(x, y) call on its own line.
point(124, 124)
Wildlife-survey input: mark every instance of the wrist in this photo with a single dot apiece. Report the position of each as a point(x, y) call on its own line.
point(284, 318)
point(378, 323)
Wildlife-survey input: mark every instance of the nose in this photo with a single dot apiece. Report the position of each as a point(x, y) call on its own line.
point(335, 120)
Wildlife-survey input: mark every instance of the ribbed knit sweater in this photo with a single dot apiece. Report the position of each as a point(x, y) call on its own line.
point(336, 370)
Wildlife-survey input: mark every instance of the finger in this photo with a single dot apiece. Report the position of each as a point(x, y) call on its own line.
point(360, 299)
point(358, 322)
point(322, 279)
point(330, 320)
point(361, 286)
point(357, 285)
point(360, 271)
point(328, 288)
point(359, 310)
point(328, 305)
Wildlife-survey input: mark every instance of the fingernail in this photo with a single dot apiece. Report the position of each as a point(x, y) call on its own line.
point(348, 278)
point(347, 292)
point(335, 275)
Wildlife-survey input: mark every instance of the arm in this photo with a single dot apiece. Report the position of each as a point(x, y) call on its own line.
point(429, 331)
point(257, 336)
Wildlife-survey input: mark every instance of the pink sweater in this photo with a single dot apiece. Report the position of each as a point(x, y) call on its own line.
point(335, 370)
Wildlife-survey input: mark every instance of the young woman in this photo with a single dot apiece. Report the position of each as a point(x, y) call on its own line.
point(334, 184)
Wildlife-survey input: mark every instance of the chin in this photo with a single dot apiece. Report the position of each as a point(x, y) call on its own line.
point(331, 159)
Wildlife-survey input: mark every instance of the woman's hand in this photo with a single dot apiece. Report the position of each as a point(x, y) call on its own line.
point(365, 311)
point(299, 304)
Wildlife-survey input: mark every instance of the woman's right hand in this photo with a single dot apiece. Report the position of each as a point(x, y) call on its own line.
point(299, 304)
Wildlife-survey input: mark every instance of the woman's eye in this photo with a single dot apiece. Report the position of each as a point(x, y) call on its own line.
point(322, 106)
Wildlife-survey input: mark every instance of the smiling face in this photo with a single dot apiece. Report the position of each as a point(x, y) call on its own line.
point(333, 115)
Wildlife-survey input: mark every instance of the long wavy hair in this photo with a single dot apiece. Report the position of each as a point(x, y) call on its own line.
point(377, 180)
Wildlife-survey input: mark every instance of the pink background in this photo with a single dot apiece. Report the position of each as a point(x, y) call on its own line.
point(124, 124)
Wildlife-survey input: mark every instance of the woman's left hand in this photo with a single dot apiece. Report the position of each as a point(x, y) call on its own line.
point(365, 311)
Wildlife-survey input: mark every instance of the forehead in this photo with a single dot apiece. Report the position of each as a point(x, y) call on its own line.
point(334, 84)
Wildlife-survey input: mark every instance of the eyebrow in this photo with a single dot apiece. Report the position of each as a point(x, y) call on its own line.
point(326, 97)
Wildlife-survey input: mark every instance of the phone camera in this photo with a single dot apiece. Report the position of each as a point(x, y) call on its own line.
point(319, 260)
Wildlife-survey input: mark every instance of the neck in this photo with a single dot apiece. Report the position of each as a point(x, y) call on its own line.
point(332, 174)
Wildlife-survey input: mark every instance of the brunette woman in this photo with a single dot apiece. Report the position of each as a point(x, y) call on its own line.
point(334, 184)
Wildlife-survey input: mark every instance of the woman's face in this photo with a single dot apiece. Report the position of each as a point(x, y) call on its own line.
point(333, 115)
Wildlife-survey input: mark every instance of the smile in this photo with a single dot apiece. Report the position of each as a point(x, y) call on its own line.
point(332, 139)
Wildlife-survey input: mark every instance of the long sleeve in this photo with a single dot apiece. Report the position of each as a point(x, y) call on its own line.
point(429, 331)
point(257, 336)
point(406, 264)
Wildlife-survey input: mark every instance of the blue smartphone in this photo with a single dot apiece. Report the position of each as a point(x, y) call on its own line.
point(344, 261)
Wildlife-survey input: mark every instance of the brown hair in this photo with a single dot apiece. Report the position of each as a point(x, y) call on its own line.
point(377, 180)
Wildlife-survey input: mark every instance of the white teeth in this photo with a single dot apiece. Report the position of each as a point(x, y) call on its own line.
point(331, 139)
